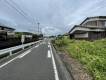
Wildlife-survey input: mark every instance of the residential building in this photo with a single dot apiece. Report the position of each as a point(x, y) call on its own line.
point(91, 28)
point(6, 32)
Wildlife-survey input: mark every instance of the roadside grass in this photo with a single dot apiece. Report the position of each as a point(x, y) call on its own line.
point(91, 54)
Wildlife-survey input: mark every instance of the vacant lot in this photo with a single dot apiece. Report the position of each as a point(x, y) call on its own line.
point(91, 54)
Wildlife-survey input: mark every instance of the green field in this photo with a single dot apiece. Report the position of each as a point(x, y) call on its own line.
point(91, 54)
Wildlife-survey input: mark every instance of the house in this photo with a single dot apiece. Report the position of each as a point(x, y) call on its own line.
point(6, 32)
point(91, 28)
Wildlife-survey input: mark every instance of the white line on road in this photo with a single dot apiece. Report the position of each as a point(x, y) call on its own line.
point(48, 54)
point(48, 43)
point(48, 46)
point(25, 53)
point(54, 64)
point(20, 56)
point(8, 62)
point(36, 46)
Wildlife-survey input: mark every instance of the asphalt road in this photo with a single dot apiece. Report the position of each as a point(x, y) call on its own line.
point(37, 63)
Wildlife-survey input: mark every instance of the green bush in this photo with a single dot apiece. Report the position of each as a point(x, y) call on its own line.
point(60, 42)
point(91, 54)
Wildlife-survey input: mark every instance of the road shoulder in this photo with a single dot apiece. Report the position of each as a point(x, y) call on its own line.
point(62, 70)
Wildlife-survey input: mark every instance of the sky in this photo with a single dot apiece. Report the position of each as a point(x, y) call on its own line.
point(55, 16)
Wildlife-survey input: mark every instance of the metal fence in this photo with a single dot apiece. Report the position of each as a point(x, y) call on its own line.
point(11, 49)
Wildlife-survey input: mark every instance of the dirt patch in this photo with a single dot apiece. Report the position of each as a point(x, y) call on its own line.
point(74, 67)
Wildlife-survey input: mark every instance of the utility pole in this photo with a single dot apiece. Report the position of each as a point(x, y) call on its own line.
point(38, 27)
point(40, 31)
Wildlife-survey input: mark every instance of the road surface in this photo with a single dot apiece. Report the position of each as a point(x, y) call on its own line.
point(37, 63)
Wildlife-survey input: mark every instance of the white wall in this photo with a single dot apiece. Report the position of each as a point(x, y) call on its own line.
point(84, 35)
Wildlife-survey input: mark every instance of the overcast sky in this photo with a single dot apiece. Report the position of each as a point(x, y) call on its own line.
point(55, 16)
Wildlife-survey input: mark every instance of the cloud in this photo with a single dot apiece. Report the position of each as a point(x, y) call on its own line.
point(7, 22)
point(56, 16)
point(50, 30)
point(85, 10)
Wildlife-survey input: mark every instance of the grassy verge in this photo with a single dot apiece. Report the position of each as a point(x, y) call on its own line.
point(91, 54)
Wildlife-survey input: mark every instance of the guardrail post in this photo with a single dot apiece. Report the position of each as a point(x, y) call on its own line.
point(11, 49)
point(10, 53)
point(22, 46)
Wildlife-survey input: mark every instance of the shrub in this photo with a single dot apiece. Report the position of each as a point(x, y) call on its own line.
point(91, 54)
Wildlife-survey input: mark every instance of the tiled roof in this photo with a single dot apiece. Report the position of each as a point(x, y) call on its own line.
point(7, 27)
point(103, 17)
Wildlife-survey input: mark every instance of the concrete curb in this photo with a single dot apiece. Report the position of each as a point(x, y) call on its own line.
point(64, 74)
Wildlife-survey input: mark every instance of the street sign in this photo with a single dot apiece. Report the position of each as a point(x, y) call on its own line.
point(23, 38)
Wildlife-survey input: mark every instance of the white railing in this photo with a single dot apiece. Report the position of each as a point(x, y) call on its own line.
point(11, 49)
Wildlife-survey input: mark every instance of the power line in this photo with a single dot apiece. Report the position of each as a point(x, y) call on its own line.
point(19, 11)
point(32, 19)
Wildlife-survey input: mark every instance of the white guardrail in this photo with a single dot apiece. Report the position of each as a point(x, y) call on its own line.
point(11, 49)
